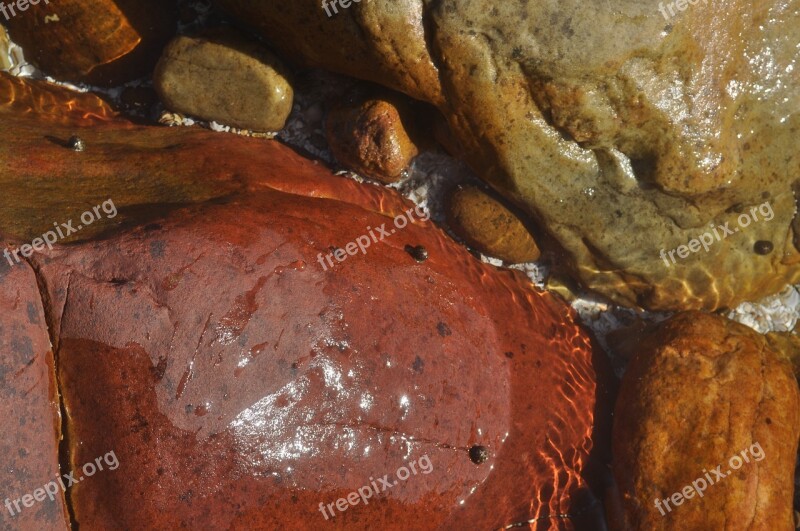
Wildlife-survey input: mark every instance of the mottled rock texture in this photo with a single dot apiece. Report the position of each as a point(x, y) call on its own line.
point(700, 391)
point(488, 226)
point(29, 406)
point(101, 42)
point(225, 79)
point(369, 138)
point(240, 383)
point(620, 132)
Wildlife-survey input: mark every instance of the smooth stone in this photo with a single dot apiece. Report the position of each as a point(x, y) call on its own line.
point(487, 225)
point(369, 138)
point(105, 42)
point(226, 80)
point(205, 344)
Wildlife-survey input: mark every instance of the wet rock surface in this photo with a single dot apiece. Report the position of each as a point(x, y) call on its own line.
point(103, 42)
point(700, 391)
point(488, 226)
point(226, 79)
point(241, 383)
point(369, 137)
point(620, 147)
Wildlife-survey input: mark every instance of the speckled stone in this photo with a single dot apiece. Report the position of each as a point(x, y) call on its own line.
point(369, 138)
point(701, 390)
point(227, 80)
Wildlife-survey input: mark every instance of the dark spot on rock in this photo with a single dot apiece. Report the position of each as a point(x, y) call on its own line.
point(33, 315)
point(443, 329)
point(189, 408)
point(769, 420)
point(23, 453)
point(509, 355)
point(75, 143)
point(152, 226)
point(160, 471)
point(419, 253)
point(159, 370)
point(418, 365)
point(478, 454)
point(157, 248)
point(763, 247)
point(23, 347)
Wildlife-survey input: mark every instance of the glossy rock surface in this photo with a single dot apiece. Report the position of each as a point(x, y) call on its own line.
point(100, 42)
point(224, 79)
point(240, 383)
point(700, 391)
point(621, 132)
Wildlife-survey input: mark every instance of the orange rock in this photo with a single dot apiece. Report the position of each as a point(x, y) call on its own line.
point(704, 391)
point(370, 139)
point(102, 42)
point(488, 226)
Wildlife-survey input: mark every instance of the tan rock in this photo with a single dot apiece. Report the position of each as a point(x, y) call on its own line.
point(706, 401)
point(369, 138)
point(488, 226)
point(5, 63)
point(377, 41)
point(227, 80)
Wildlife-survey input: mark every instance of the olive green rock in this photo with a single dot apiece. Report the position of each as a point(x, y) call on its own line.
point(226, 80)
point(622, 132)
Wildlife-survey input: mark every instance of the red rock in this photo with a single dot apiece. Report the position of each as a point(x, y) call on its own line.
point(29, 406)
point(240, 383)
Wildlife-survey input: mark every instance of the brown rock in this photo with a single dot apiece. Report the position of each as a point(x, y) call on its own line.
point(29, 407)
point(5, 64)
point(701, 391)
point(365, 40)
point(370, 139)
point(788, 344)
point(103, 42)
point(488, 226)
point(240, 383)
point(227, 80)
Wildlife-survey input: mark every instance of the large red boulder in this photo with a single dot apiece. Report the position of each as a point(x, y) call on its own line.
point(244, 381)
